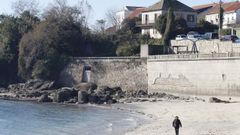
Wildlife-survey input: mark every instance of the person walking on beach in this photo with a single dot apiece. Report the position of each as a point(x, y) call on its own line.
point(177, 124)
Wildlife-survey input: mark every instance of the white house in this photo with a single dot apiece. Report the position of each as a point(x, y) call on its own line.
point(124, 14)
point(231, 14)
point(150, 14)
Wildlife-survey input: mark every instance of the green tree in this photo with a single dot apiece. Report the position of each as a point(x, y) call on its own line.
point(130, 26)
point(206, 26)
point(168, 30)
point(180, 23)
point(221, 12)
point(26, 22)
point(128, 49)
point(100, 26)
point(43, 52)
point(160, 23)
point(9, 39)
point(11, 31)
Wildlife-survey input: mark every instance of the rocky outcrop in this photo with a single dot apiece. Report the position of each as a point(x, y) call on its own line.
point(3, 90)
point(45, 98)
point(45, 91)
point(65, 94)
point(36, 85)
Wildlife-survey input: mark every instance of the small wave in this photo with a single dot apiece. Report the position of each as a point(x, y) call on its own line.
point(110, 127)
point(130, 119)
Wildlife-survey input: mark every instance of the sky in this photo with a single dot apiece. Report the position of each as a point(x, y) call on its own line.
point(100, 7)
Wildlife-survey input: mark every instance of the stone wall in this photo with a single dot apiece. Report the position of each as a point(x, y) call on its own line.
point(195, 76)
point(206, 46)
point(127, 73)
point(212, 74)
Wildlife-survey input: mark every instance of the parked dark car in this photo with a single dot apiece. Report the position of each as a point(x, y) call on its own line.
point(232, 38)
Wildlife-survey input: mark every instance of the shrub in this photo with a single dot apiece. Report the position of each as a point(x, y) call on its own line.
point(128, 49)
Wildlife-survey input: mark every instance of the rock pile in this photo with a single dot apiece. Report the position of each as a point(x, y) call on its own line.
point(47, 91)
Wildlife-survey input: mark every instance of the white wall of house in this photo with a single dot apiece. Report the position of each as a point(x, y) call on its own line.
point(229, 18)
point(238, 16)
point(212, 18)
point(121, 16)
point(150, 17)
point(153, 33)
point(190, 17)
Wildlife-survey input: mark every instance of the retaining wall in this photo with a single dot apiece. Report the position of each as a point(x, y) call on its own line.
point(198, 76)
point(127, 73)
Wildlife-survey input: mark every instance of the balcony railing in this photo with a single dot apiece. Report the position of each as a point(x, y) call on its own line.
point(145, 23)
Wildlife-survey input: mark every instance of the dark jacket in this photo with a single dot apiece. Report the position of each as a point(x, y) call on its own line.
point(177, 124)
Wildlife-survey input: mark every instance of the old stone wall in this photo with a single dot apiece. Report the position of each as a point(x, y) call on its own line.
point(195, 76)
point(212, 74)
point(206, 46)
point(127, 73)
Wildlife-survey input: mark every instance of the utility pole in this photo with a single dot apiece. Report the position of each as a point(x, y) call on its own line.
point(221, 12)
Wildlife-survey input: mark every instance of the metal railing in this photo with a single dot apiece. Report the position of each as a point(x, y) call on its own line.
point(194, 56)
point(107, 58)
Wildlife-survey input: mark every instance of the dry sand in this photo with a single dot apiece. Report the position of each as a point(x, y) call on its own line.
point(198, 117)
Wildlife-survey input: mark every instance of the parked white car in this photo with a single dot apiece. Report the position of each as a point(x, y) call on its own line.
point(181, 37)
point(192, 35)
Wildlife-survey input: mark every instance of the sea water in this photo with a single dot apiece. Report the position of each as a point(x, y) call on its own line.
point(27, 118)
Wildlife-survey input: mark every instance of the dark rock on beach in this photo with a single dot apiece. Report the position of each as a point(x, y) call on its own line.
point(217, 100)
point(65, 94)
point(89, 87)
point(45, 98)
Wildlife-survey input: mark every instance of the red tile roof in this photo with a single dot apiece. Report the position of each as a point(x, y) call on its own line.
point(204, 6)
point(136, 13)
point(228, 7)
point(233, 7)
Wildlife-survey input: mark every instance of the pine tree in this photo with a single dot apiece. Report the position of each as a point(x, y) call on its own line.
point(221, 12)
point(168, 30)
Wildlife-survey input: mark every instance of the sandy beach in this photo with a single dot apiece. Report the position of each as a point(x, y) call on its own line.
point(198, 117)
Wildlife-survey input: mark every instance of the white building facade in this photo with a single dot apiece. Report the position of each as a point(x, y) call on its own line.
point(124, 14)
point(229, 18)
point(231, 14)
point(150, 15)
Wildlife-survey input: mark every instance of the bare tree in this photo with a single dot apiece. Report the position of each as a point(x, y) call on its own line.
point(19, 6)
point(86, 9)
point(111, 17)
point(61, 9)
point(100, 26)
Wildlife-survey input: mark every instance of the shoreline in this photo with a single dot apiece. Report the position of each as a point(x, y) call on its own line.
point(198, 117)
point(195, 111)
point(135, 116)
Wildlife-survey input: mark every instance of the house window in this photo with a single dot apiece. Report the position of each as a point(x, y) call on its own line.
point(190, 18)
point(146, 19)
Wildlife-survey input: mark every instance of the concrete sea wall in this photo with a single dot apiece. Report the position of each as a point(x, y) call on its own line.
point(127, 73)
point(198, 76)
